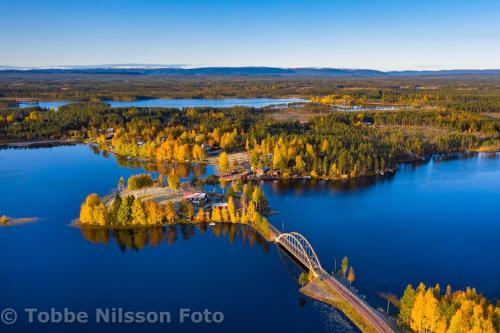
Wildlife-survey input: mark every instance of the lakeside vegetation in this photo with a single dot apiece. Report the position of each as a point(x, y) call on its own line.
point(136, 182)
point(446, 114)
point(427, 309)
point(130, 211)
point(328, 146)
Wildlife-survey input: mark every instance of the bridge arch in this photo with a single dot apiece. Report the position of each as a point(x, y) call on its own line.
point(299, 246)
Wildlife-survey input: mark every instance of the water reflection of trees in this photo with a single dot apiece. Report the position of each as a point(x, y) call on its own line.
point(301, 186)
point(491, 156)
point(438, 158)
point(138, 238)
point(464, 155)
point(36, 145)
point(181, 169)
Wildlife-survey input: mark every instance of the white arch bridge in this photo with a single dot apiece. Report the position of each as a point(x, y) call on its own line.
point(300, 248)
point(323, 283)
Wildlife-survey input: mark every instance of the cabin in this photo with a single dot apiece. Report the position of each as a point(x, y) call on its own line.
point(196, 198)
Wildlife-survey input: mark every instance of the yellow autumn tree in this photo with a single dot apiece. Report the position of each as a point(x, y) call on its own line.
point(223, 162)
point(89, 208)
point(198, 152)
point(351, 276)
point(441, 326)
point(225, 214)
point(233, 214)
point(417, 313)
point(299, 164)
point(182, 152)
point(174, 183)
point(154, 213)
point(101, 214)
point(325, 145)
point(472, 317)
point(251, 212)
point(431, 315)
point(138, 215)
point(200, 216)
point(170, 212)
point(278, 159)
point(216, 215)
point(454, 312)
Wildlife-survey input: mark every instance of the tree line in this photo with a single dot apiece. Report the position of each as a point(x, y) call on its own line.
point(129, 211)
point(336, 145)
point(428, 309)
point(470, 93)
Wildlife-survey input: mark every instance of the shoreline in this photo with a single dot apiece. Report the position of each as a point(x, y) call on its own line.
point(77, 224)
point(90, 142)
point(30, 143)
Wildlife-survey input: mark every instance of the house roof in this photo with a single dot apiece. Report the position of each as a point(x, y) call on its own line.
point(195, 195)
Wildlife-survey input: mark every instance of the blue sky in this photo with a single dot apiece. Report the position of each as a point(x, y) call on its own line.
point(348, 34)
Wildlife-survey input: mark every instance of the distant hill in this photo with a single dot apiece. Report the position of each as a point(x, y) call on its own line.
point(241, 71)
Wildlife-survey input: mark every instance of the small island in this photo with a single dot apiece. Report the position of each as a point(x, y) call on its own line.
point(147, 202)
point(6, 221)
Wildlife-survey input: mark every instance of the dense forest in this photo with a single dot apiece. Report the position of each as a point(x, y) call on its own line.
point(328, 145)
point(433, 115)
point(476, 93)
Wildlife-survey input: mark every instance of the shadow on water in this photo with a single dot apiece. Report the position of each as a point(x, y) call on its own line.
point(138, 238)
point(292, 267)
point(36, 145)
point(446, 157)
point(298, 186)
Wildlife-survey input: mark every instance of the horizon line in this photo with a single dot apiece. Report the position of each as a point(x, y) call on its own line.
point(145, 66)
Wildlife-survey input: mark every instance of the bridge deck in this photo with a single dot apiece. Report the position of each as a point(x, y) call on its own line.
point(326, 288)
point(368, 313)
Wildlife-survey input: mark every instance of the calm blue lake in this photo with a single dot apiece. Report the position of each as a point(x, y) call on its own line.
point(177, 103)
point(436, 222)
